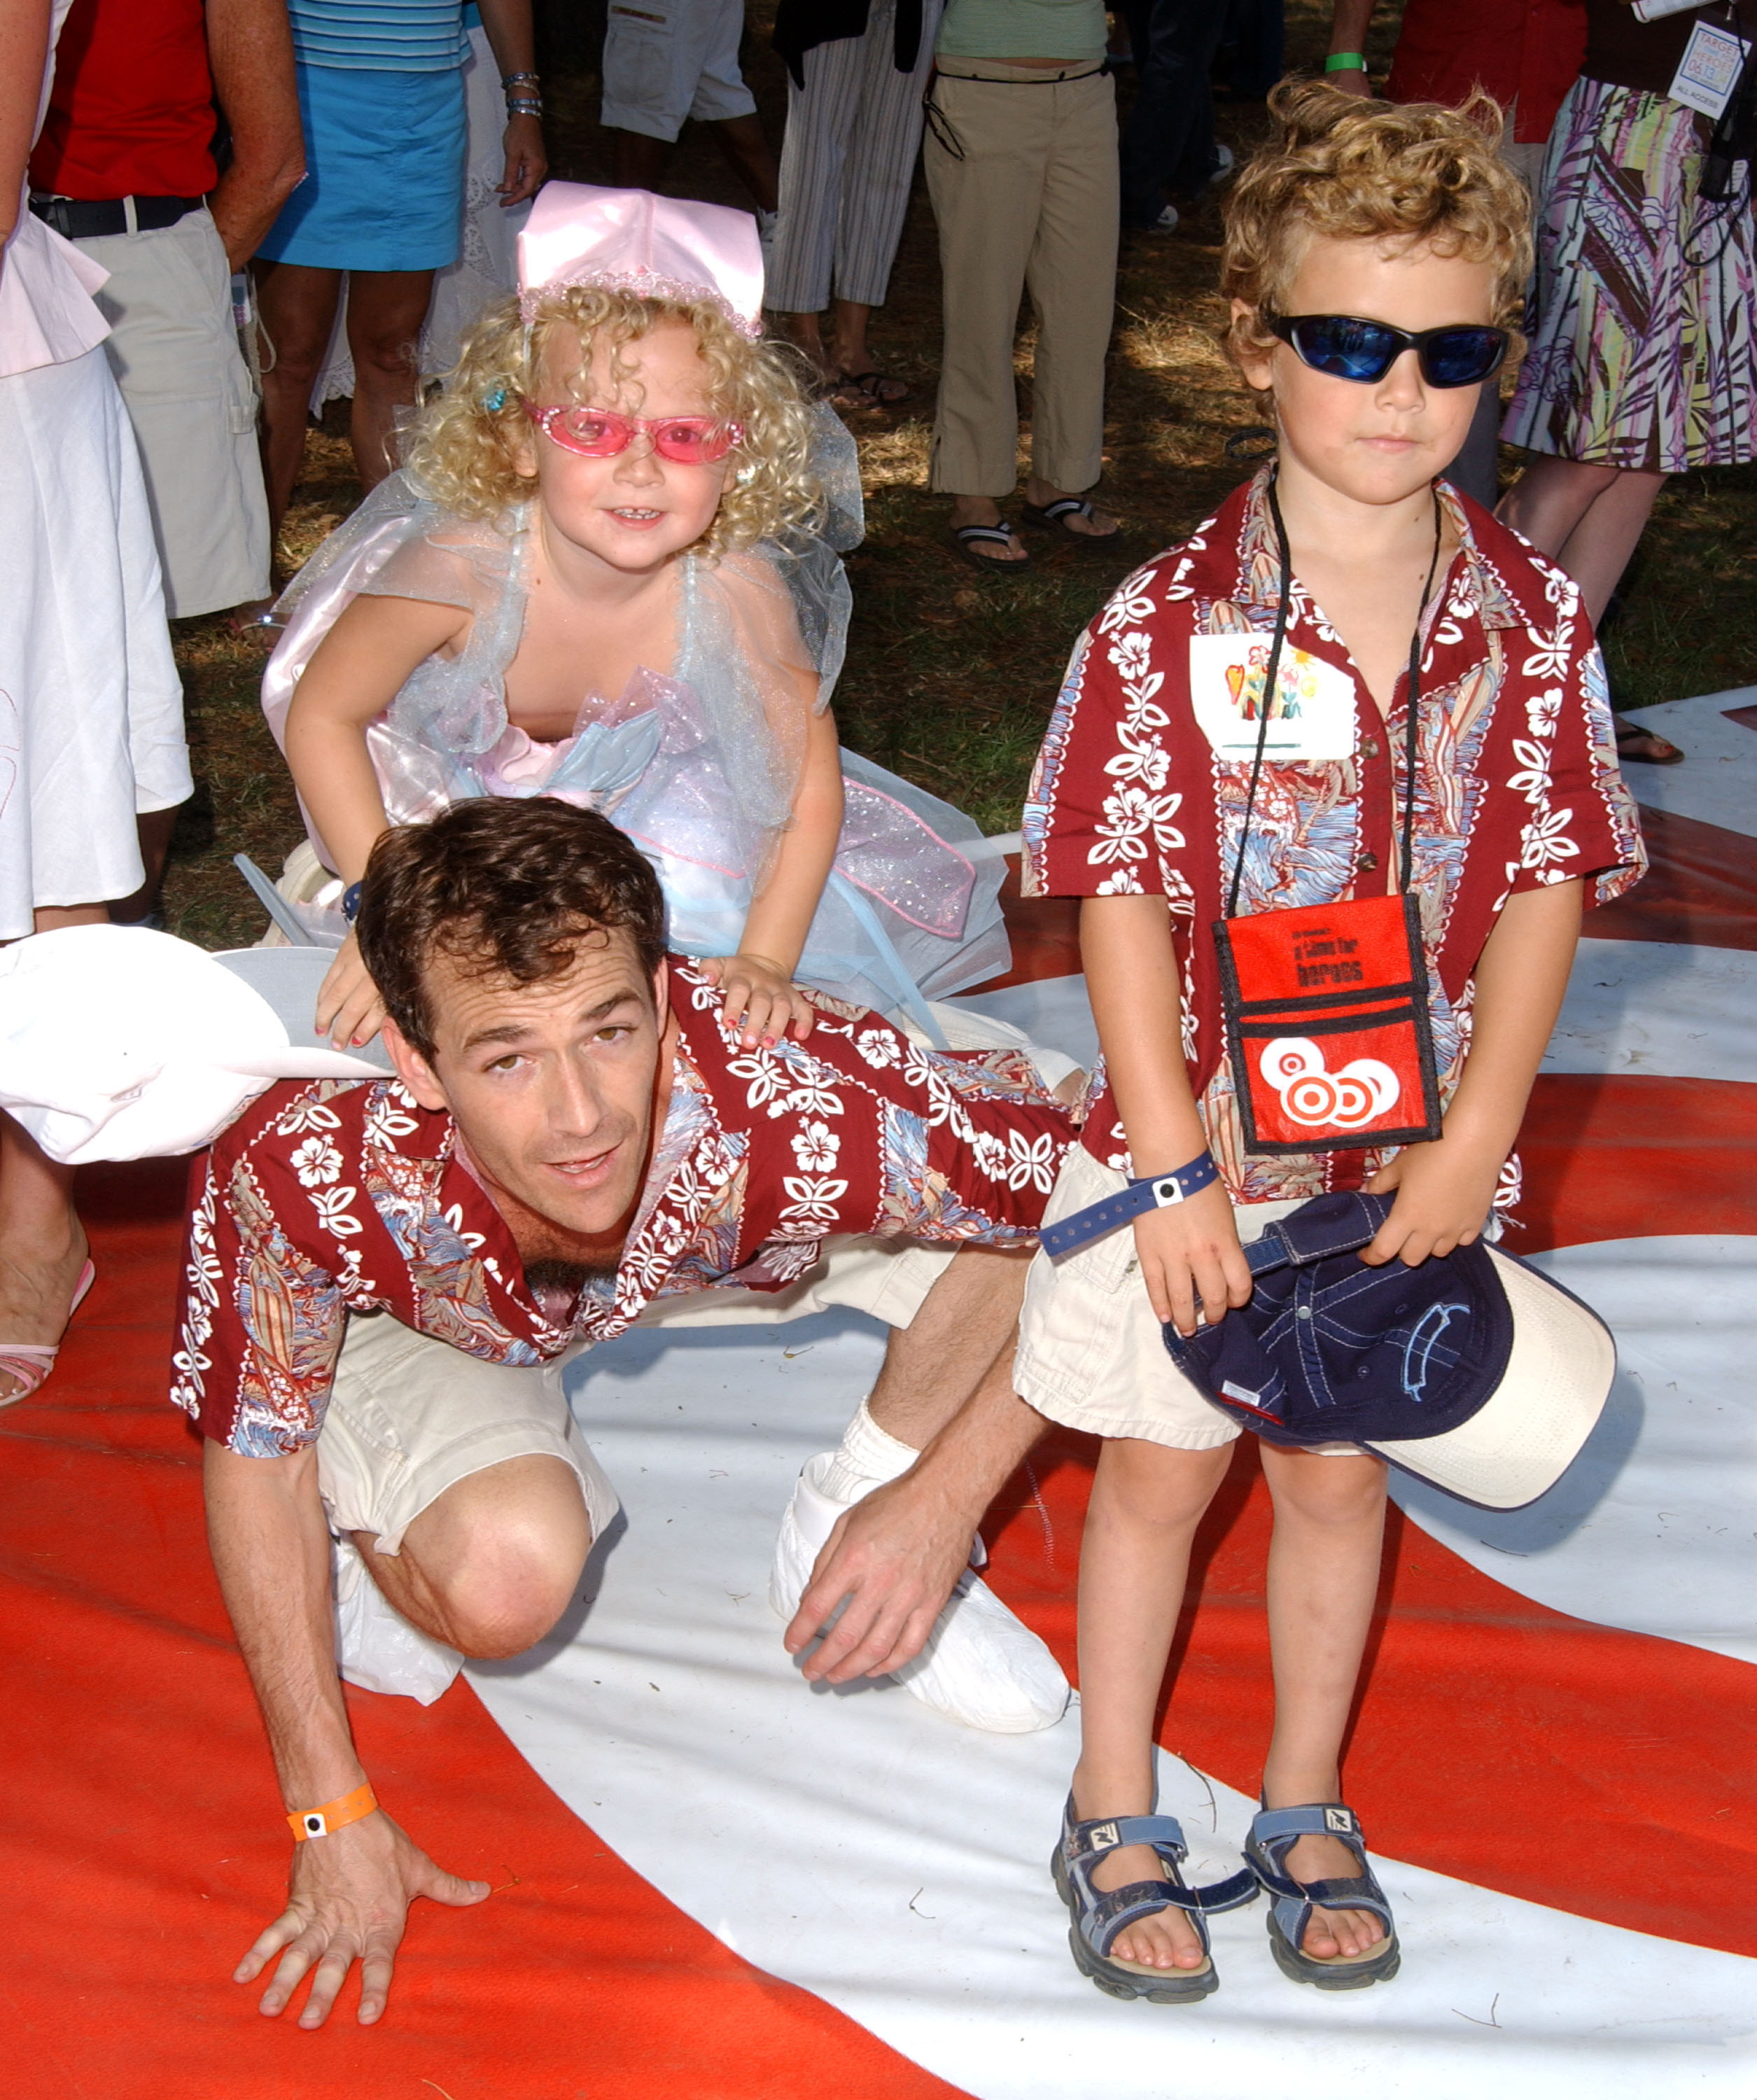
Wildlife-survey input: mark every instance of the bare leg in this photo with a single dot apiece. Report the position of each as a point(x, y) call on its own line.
point(745, 145)
point(1589, 518)
point(803, 332)
point(491, 1565)
point(296, 308)
point(155, 830)
point(639, 161)
point(42, 1244)
point(1323, 1578)
point(934, 1365)
point(848, 336)
point(385, 310)
point(1146, 1502)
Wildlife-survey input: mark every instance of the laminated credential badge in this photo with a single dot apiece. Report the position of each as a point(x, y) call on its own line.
point(1311, 713)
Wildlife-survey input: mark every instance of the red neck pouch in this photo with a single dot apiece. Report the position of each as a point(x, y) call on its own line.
point(1325, 1008)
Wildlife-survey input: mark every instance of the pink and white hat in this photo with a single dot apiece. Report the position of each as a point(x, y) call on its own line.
point(630, 241)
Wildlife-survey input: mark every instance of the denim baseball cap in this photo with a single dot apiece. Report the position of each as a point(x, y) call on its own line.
point(1472, 1369)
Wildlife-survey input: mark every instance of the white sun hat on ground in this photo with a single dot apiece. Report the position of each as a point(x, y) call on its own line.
point(119, 1042)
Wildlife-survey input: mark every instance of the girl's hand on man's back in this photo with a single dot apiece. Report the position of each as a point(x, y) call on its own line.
point(349, 1009)
point(761, 999)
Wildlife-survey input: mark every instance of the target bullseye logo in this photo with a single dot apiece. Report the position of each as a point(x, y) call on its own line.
point(1315, 1098)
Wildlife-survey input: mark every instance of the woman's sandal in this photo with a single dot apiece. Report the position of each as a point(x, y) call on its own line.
point(967, 538)
point(1661, 751)
point(1100, 1915)
point(871, 389)
point(1053, 516)
point(1273, 1833)
point(31, 1362)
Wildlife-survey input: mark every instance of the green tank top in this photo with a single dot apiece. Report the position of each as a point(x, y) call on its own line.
point(1070, 29)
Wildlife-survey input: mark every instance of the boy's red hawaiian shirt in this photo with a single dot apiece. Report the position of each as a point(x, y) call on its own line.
point(1517, 785)
point(330, 1197)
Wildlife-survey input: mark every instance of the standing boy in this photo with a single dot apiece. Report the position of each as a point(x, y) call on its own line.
point(1375, 256)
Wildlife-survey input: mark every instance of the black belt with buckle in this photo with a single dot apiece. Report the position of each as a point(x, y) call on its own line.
point(82, 219)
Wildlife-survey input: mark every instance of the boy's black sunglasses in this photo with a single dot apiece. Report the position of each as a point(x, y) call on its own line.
point(1347, 348)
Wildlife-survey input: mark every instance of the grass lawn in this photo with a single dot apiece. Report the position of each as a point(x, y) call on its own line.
point(950, 675)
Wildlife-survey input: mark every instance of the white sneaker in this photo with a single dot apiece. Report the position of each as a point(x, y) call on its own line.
point(376, 1649)
point(980, 1665)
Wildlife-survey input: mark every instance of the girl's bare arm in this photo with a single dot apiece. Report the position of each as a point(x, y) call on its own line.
point(782, 911)
point(356, 670)
point(355, 673)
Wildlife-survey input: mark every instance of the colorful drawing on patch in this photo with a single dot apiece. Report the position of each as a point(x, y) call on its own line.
point(1296, 680)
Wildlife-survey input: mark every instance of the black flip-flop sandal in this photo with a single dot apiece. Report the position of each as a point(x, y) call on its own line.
point(967, 538)
point(870, 386)
point(1053, 516)
point(1629, 733)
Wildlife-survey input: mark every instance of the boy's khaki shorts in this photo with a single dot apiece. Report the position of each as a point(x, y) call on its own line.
point(409, 1417)
point(1092, 1354)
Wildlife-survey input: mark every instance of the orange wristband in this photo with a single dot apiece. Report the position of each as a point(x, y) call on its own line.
point(333, 1815)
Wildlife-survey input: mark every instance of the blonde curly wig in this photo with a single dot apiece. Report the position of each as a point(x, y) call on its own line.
point(464, 445)
point(1349, 169)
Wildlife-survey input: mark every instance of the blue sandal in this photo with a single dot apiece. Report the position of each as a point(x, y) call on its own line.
point(1273, 1833)
point(1100, 1915)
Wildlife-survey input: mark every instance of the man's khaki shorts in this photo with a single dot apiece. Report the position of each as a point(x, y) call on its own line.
point(410, 1417)
point(1092, 1354)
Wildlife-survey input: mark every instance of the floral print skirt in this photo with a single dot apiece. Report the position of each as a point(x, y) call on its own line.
point(1643, 354)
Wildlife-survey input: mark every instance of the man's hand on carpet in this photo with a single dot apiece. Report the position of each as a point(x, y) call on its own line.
point(347, 1901)
point(895, 1558)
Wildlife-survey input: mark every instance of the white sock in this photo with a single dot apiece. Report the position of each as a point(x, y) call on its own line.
point(867, 1457)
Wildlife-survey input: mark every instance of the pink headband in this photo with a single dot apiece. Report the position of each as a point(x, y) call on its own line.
point(630, 240)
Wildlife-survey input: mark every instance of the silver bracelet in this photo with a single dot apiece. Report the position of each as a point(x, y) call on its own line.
point(513, 79)
point(523, 108)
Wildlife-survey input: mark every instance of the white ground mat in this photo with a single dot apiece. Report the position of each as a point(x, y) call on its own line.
point(862, 1847)
point(1653, 1527)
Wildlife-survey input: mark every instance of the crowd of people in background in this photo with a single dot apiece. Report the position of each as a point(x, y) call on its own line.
point(218, 212)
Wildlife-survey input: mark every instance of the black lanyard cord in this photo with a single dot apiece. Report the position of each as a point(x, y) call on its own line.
point(1406, 864)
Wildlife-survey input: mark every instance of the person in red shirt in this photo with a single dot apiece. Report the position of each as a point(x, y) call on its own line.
point(384, 1279)
point(1375, 258)
point(1525, 53)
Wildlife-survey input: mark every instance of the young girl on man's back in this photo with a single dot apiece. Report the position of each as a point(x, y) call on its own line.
point(610, 573)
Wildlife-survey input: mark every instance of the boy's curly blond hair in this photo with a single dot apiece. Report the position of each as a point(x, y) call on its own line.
point(463, 444)
point(1351, 170)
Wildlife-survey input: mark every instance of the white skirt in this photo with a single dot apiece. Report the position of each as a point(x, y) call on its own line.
point(90, 705)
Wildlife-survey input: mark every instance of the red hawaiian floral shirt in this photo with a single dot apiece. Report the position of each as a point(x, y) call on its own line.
point(1516, 784)
point(332, 1197)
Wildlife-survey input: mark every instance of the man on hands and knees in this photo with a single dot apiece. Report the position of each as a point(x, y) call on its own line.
point(385, 1278)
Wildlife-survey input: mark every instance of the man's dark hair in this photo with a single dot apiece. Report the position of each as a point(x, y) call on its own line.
point(505, 888)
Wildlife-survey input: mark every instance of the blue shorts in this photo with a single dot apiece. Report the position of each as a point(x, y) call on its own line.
point(384, 185)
